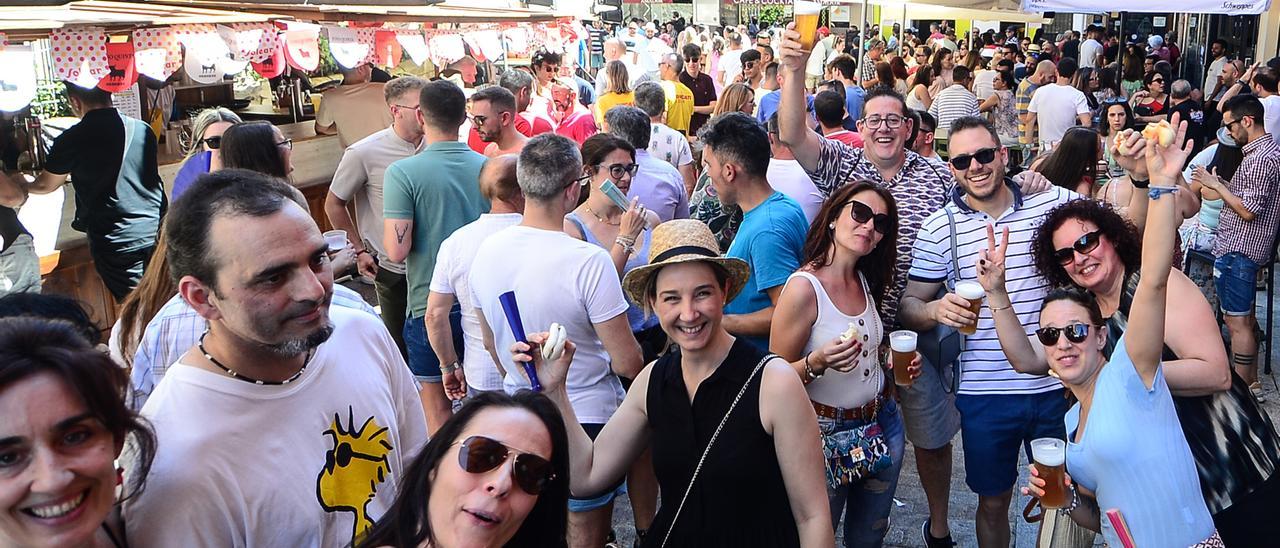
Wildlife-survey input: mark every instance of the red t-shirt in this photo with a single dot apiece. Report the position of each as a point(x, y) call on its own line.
point(578, 125)
point(540, 125)
point(847, 137)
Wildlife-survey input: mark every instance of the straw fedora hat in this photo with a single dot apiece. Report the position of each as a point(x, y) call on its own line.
point(682, 241)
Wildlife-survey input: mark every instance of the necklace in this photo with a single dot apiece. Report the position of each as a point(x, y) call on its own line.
point(599, 218)
point(231, 372)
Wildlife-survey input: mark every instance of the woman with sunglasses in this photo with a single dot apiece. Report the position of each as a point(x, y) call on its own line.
point(848, 266)
point(496, 474)
point(1087, 244)
point(64, 423)
point(735, 444)
point(1150, 104)
point(202, 153)
point(257, 146)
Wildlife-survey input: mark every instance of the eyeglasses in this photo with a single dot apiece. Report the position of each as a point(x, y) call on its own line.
point(580, 181)
point(212, 142)
point(695, 60)
point(1086, 244)
point(287, 144)
point(749, 65)
point(892, 121)
point(861, 213)
point(414, 107)
point(1225, 124)
point(551, 69)
point(983, 156)
point(1076, 333)
point(480, 454)
point(618, 170)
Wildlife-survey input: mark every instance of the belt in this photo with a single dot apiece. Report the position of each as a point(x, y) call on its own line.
point(866, 412)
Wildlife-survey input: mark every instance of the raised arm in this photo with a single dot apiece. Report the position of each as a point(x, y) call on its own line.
point(804, 143)
point(1025, 354)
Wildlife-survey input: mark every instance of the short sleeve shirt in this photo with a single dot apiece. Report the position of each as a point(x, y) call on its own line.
point(770, 240)
point(670, 146)
point(1026, 89)
point(704, 93)
point(357, 110)
point(359, 177)
point(679, 105)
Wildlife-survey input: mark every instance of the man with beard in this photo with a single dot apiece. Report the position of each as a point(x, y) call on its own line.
point(1001, 410)
point(493, 115)
point(289, 423)
point(573, 120)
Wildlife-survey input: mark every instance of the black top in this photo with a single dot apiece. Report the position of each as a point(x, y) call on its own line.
point(119, 196)
point(1071, 48)
point(1232, 440)
point(704, 93)
point(739, 498)
point(1193, 115)
point(10, 227)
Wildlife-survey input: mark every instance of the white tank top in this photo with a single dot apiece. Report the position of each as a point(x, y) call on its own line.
point(861, 384)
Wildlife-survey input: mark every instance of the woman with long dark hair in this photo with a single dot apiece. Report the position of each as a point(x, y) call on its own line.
point(1151, 103)
point(257, 146)
point(919, 97)
point(64, 421)
point(1073, 164)
point(1116, 116)
point(495, 474)
point(847, 267)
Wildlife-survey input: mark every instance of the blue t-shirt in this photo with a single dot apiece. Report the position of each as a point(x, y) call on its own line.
point(1135, 458)
point(768, 105)
point(191, 169)
point(770, 240)
point(854, 96)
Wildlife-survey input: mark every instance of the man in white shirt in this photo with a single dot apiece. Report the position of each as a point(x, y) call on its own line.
point(479, 370)
point(660, 188)
point(786, 175)
point(558, 278)
point(615, 50)
point(1057, 107)
point(956, 101)
point(730, 61)
point(290, 423)
point(359, 178)
point(665, 144)
point(1091, 49)
point(816, 66)
point(1218, 60)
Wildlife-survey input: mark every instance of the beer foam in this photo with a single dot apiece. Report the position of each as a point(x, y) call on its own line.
point(970, 290)
point(803, 7)
point(903, 341)
point(1049, 452)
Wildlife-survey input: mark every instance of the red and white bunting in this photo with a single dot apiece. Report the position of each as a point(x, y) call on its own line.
point(79, 55)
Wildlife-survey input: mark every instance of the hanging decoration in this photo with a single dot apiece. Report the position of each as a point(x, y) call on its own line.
point(414, 44)
point(206, 53)
point(79, 55)
point(346, 47)
point(123, 74)
point(272, 66)
point(302, 46)
point(18, 81)
point(157, 52)
point(386, 49)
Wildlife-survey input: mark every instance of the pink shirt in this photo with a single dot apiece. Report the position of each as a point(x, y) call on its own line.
point(847, 137)
point(578, 125)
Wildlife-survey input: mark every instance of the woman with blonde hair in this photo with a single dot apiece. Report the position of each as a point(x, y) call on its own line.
point(617, 90)
point(201, 154)
point(736, 98)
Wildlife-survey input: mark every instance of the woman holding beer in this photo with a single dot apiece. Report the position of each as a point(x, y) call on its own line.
point(848, 263)
point(1124, 443)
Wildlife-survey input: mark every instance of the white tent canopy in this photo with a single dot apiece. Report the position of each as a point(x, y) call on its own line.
point(1228, 7)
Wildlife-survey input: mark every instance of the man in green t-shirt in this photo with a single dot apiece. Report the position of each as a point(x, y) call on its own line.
point(426, 197)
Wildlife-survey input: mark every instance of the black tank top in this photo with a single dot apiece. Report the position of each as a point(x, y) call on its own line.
point(739, 499)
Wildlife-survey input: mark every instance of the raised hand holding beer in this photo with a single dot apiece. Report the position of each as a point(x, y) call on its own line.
point(792, 55)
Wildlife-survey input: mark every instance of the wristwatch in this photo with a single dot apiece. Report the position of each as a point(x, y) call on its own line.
point(448, 369)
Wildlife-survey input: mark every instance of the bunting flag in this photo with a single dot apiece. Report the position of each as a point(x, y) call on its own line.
point(123, 74)
point(414, 44)
point(346, 47)
point(302, 47)
point(386, 49)
point(79, 55)
point(157, 52)
point(272, 66)
point(18, 81)
point(206, 53)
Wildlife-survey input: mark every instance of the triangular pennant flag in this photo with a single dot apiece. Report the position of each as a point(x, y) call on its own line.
point(79, 55)
point(18, 81)
point(346, 47)
point(123, 74)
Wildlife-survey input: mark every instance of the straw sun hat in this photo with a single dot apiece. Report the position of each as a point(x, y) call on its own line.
point(682, 241)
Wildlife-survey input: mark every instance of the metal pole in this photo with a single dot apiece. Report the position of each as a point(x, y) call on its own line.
point(862, 38)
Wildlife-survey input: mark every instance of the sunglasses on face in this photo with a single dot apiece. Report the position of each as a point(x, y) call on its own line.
point(1087, 243)
point(479, 120)
point(480, 454)
point(618, 170)
point(861, 213)
point(213, 142)
point(984, 157)
point(1076, 333)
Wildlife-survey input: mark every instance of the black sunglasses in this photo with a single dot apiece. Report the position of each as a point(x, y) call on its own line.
point(1087, 242)
point(212, 142)
point(861, 213)
point(1076, 333)
point(984, 157)
point(480, 454)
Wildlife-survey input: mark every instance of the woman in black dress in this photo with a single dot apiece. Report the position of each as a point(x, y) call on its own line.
point(760, 483)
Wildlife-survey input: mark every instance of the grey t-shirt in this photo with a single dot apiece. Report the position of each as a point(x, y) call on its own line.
point(359, 176)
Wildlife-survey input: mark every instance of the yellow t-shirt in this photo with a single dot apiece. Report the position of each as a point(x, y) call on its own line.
point(679, 105)
point(610, 100)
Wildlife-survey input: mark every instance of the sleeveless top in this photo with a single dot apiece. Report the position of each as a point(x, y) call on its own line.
point(635, 313)
point(914, 102)
point(739, 499)
point(859, 386)
point(1134, 456)
point(1233, 441)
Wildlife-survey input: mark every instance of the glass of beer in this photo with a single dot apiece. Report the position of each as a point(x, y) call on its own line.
point(971, 291)
point(806, 15)
point(1050, 455)
point(902, 347)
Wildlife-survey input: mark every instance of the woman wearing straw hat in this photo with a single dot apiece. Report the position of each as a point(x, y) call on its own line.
point(735, 443)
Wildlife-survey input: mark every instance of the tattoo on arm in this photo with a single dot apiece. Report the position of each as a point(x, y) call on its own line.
point(401, 231)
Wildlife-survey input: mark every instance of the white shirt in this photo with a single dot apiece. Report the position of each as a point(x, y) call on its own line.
point(953, 103)
point(556, 278)
point(1271, 114)
point(1211, 75)
point(1089, 51)
point(1057, 108)
point(453, 266)
point(670, 146)
point(359, 177)
point(731, 65)
point(787, 177)
point(239, 464)
point(984, 84)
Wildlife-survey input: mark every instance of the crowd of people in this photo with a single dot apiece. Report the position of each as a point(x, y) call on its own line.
point(672, 271)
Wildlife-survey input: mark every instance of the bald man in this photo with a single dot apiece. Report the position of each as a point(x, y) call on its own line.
point(616, 50)
point(1045, 72)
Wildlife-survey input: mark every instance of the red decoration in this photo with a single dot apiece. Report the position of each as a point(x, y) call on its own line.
point(123, 74)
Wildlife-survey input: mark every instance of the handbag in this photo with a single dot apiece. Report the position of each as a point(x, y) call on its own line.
point(852, 455)
point(710, 443)
point(1057, 530)
point(941, 346)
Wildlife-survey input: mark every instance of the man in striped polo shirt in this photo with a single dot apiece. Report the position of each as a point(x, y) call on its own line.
point(1000, 410)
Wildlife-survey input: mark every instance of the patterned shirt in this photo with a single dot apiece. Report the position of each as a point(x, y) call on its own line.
point(670, 146)
point(953, 103)
point(867, 69)
point(1256, 183)
point(921, 187)
point(1025, 90)
point(177, 327)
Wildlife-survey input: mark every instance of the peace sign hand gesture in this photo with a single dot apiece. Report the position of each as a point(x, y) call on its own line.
point(991, 269)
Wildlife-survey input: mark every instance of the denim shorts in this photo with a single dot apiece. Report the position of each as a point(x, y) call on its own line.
point(580, 505)
point(1235, 277)
point(995, 427)
point(422, 359)
point(928, 410)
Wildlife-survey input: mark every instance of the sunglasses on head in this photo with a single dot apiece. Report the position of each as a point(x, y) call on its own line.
point(983, 156)
point(861, 213)
point(480, 454)
point(1076, 333)
point(1087, 243)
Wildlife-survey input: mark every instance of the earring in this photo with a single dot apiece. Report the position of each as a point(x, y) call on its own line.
point(832, 226)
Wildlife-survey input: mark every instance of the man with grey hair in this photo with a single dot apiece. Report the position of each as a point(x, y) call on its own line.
point(570, 282)
point(867, 68)
point(1180, 101)
point(520, 84)
point(658, 185)
point(359, 178)
point(665, 144)
point(679, 109)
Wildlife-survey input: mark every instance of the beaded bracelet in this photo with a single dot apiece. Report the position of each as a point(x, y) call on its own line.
point(1157, 191)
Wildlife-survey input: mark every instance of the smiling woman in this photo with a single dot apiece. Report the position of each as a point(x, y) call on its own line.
point(63, 422)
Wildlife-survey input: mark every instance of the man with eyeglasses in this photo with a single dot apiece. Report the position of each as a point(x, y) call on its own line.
point(359, 177)
point(426, 197)
point(1265, 84)
point(700, 83)
point(558, 278)
point(493, 115)
point(679, 98)
point(1001, 410)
